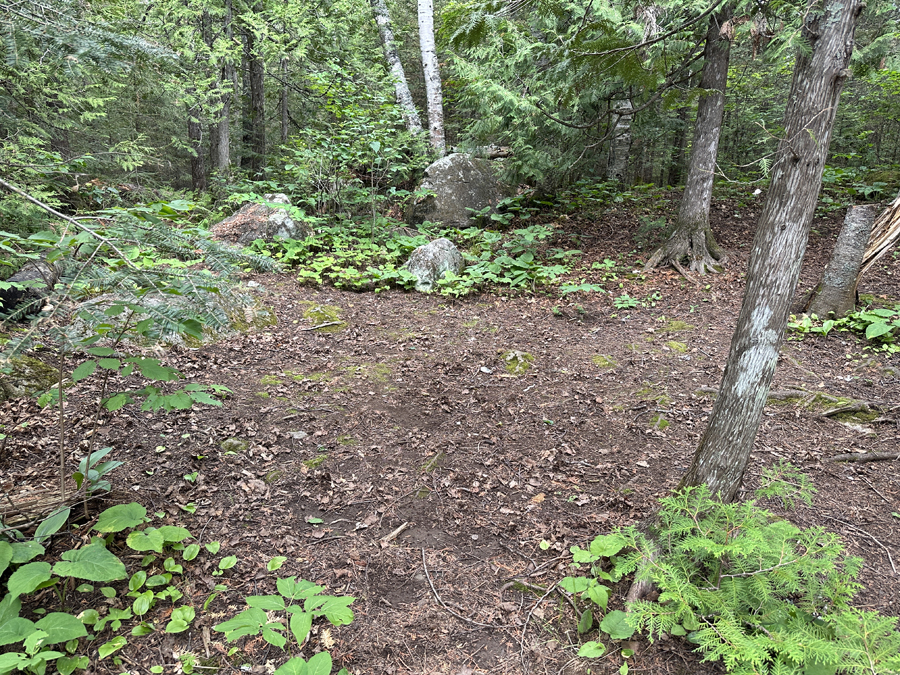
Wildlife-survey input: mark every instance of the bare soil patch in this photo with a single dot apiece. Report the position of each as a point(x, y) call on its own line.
point(409, 416)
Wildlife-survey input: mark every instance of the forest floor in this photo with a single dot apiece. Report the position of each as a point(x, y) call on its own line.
point(407, 416)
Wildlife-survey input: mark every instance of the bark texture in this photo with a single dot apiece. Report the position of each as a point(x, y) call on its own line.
point(778, 248)
point(195, 139)
point(401, 87)
point(836, 292)
point(254, 157)
point(220, 143)
point(435, 103)
point(884, 237)
point(692, 238)
point(620, 145)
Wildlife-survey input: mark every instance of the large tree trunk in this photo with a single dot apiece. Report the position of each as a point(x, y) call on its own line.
point(435, 103)
point(401, 87)
point(221, 132)
point(778, 248)
point(692, 238)
point(836, 291)
point(620, 144)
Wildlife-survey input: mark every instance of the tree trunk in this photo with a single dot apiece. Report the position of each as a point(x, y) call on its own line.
point(778, 248)
point(285, 118)
point(836, 292)
point(255, 111)
point(692, 237)
point(221, 143)
point(433, 94)
point(401, 87)
point(195, 140)
point(620, 145)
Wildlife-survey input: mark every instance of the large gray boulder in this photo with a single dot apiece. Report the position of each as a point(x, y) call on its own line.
point(25, 376)
point(432, 261)
point(259, 221)
point(458, 182)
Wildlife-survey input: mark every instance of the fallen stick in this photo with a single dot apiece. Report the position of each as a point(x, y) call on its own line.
point(865, 457)
point(322, 325)
point(388, 538)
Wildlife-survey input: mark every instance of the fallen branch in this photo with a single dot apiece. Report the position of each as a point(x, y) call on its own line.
point(388, 538)
point(444, 605)
point(866, 534)
point(865, 457)
point(322, 325)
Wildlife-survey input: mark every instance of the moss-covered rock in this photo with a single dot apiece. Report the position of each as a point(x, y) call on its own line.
point(234, 445)
point(516, 362)
point(603, 361)
point(25, 376)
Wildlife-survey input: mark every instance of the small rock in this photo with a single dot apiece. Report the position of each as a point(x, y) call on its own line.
point(432, 261)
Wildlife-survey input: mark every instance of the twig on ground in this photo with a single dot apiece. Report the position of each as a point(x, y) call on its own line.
point(865, 457)
point(388, 538)
point(869, 483)
point(863, 532)
point(322, 325)
point(525, 626)
point(444, 605)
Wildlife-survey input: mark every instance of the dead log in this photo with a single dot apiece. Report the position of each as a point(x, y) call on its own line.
point(35, 282)
point(865, 457)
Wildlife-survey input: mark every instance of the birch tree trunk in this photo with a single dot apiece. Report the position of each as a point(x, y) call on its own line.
point(435, 104)
point(620, 144)
point(692, 238)
point(401, 87)
point(778, 247)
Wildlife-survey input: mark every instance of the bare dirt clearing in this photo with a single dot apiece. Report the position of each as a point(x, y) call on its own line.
point(485, 425)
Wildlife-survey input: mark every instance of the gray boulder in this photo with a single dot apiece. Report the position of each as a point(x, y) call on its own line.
point(431, 261)
point(258, 221)
point(25, 376)
point(458, 182)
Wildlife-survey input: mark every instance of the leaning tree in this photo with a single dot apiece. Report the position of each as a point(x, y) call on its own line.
point(778, 247)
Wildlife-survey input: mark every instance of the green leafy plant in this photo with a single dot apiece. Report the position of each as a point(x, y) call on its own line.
point(747, 588)
point(879, 325)
point(302, 602)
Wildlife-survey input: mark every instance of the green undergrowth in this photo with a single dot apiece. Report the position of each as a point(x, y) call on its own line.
point(525, 259)
point(132, 577)
point(740, 584)
point(879, 325)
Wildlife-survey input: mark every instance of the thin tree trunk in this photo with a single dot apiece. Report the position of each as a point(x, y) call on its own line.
point(836, 291)
point(435, 104)
point(401, 87)
point(255, 110)
point(285, 118)
point(222, 158)
point(620, 145)
point(692, 237)
point(195, 140)
point(778, 248)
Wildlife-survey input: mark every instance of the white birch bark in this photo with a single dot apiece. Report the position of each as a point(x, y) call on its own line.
point(401, 86)
point(620, 144)
point(435, 103)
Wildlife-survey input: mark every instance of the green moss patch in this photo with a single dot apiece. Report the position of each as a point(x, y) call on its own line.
point(315, 462)
point(658, 421)
point(27, 376)
point(649, 393)
point(324, 314)
point(679, 347)
point(375, 372)
point(234, 446)
point(433, 462)
point(674, 325)
point(346, 439)
point(268, 380)
point(603, 361)
point(516, 362)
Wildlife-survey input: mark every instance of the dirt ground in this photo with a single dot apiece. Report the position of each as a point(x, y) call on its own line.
point(408, 417)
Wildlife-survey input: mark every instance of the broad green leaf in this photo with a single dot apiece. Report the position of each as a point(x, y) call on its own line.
point(142, 603)
point(213, 546)
point(181, 619)
point(273, 637)
point(267, 602)
point(86, 369)
point(592, 650)
point(599, 594)
point(301, 624)
point(66, 665)
point(112, 646)
point(109, 364)
point(146, 540)
point(137, 580)
point(297, 590)
point(92, 562)
point(190, 552)
point(586, 622)
point(228, 562)
point(294, 666)
point(15, 630)
point(152, 370)
point(276, 563)
point(12, 661)
point(51, 525)
point(875, 330)
point(320, 664)
point(116, 402)
point(10, 607)
point(171, 533)
point(574, 584)
point(28, 577)
point(607, 545)
point(337, 610)
point(89, 617)
point(248, 622)
point(23, 551)
point(158, 580)
point(615, 626)
point(60, 627)
point(6, 553)
point(101, 351)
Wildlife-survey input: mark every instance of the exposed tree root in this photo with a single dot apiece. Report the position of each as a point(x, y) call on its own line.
point(697, 247)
